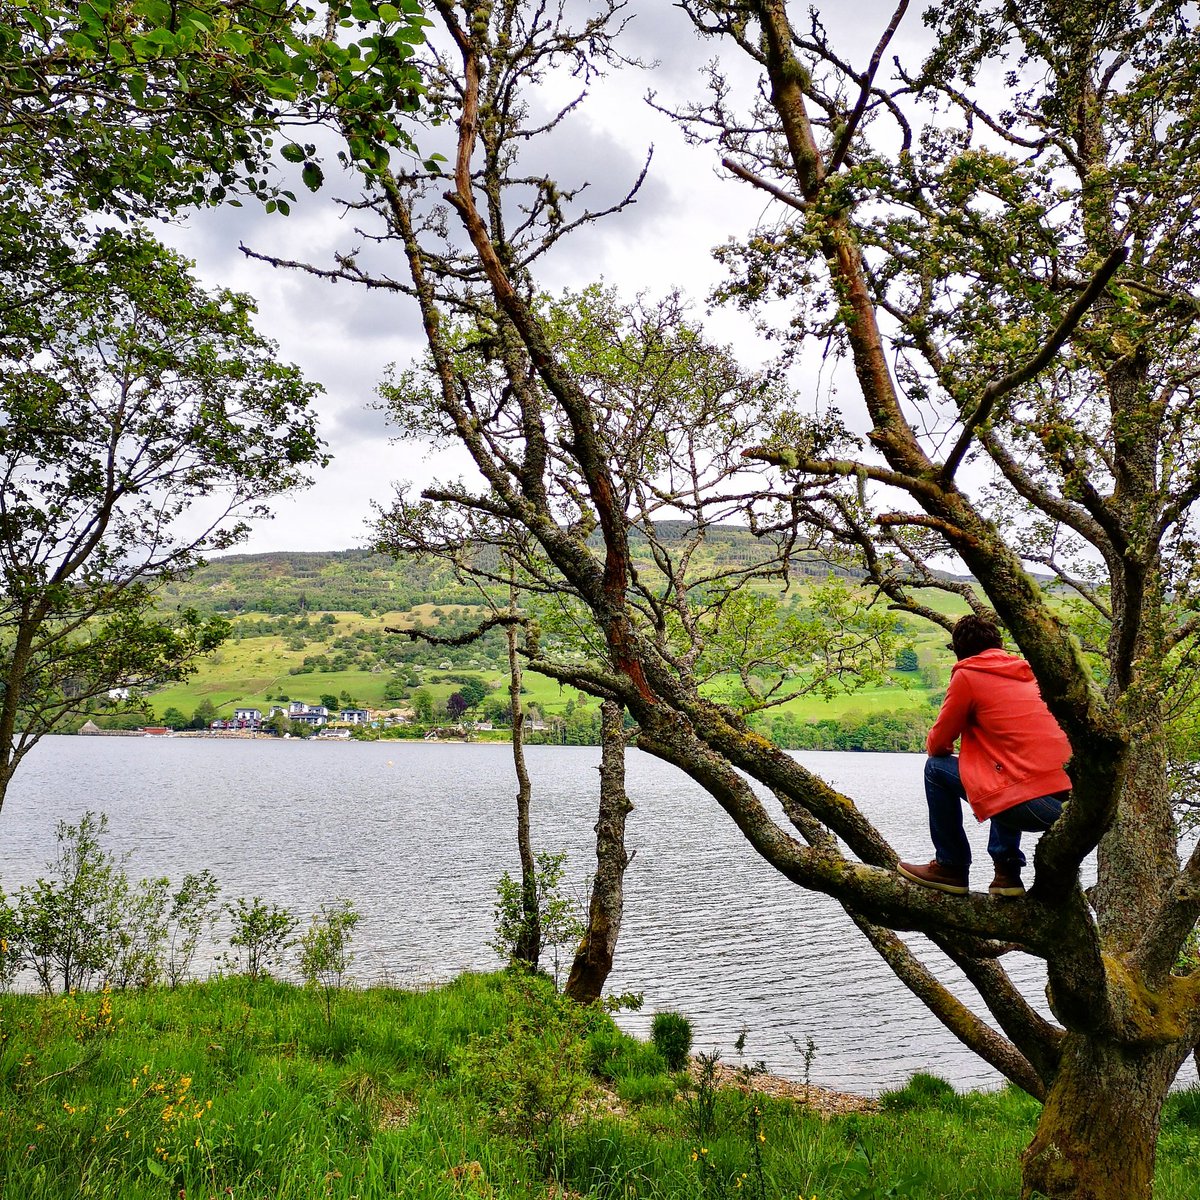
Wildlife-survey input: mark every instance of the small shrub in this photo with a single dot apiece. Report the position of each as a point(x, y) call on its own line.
point(560, 920)
point(69, 923)
point(531, 1073)
point(136, 958)
point(700, 1098)
point(671, 1033)
point(12, 953)
point(325, 954)
point(602, 1052)
point(614, 1055)
point(194, 910)
point(921, 1091)
point(646, 1089)
point(262, 932)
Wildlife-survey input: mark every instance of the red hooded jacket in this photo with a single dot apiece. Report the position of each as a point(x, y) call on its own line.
point(1012, 749)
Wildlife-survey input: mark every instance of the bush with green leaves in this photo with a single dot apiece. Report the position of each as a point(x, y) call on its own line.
point(671, 1033)
point(71, 922)
point(325, 954)
point(195, 908)
point(532, 1073)
point(262, 935)
point(12, 953)
point(140, 934)
point(560, 915)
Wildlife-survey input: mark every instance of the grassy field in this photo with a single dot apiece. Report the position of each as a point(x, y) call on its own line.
point(253, 670)
point(488, 1087)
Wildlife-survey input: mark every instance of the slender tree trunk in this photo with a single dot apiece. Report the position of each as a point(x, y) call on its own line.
point(529, 944)
point(594, 958)
point(1098, 1130)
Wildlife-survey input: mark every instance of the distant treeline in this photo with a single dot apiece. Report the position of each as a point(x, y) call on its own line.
point(901, 731)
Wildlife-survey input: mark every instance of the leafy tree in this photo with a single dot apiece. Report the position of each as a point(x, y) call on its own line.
point(330, 701)
point(422, 703)
point(12, 950)
point(906, 659)
point(558, 916)
point(142, 105)
point(456, 705)
point(174, 719)
point(141, 417)
point(194, 910)
point(498, 710)
point(278, 724)
point(1014, 287)
point(203, 715)
point(474, 691)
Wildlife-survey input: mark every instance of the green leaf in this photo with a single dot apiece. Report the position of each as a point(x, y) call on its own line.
point(293, 152)
point(235, 41)
point(313, 176)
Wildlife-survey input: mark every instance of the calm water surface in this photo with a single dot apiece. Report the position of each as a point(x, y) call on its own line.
point(417, 835)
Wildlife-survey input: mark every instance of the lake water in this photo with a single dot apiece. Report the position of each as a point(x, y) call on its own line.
point(417, 834)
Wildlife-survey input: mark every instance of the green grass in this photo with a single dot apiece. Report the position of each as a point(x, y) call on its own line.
point(240, 1088)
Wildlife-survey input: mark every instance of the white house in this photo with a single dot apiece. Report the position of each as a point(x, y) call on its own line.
point(354, 716)
point(248, 715)
point(312, 716)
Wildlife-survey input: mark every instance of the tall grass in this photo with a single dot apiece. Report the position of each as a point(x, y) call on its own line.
point(243, 1088)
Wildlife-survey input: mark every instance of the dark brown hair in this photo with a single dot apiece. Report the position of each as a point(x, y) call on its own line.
point(974, 634)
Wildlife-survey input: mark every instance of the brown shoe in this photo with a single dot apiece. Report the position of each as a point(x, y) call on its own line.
point(935, 875)
point(1007, 881)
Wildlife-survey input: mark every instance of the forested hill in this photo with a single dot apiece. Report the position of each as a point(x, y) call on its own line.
point(360, 581)
point(316, 581)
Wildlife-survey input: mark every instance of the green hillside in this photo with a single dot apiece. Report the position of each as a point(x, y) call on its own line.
point(311, 625)
point(360, 581)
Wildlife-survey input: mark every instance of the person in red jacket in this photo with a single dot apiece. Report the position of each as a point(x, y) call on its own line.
point(1009, 767)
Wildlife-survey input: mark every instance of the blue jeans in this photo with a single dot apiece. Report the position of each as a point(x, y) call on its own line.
point(944, 794)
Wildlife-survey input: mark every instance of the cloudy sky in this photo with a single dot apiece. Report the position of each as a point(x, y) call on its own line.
point(343, 336)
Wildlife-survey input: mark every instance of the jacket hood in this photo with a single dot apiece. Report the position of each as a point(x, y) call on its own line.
point(996, 662)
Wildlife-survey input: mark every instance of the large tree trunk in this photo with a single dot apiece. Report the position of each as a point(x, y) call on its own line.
point(1099, 1127)
point(594, 958)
